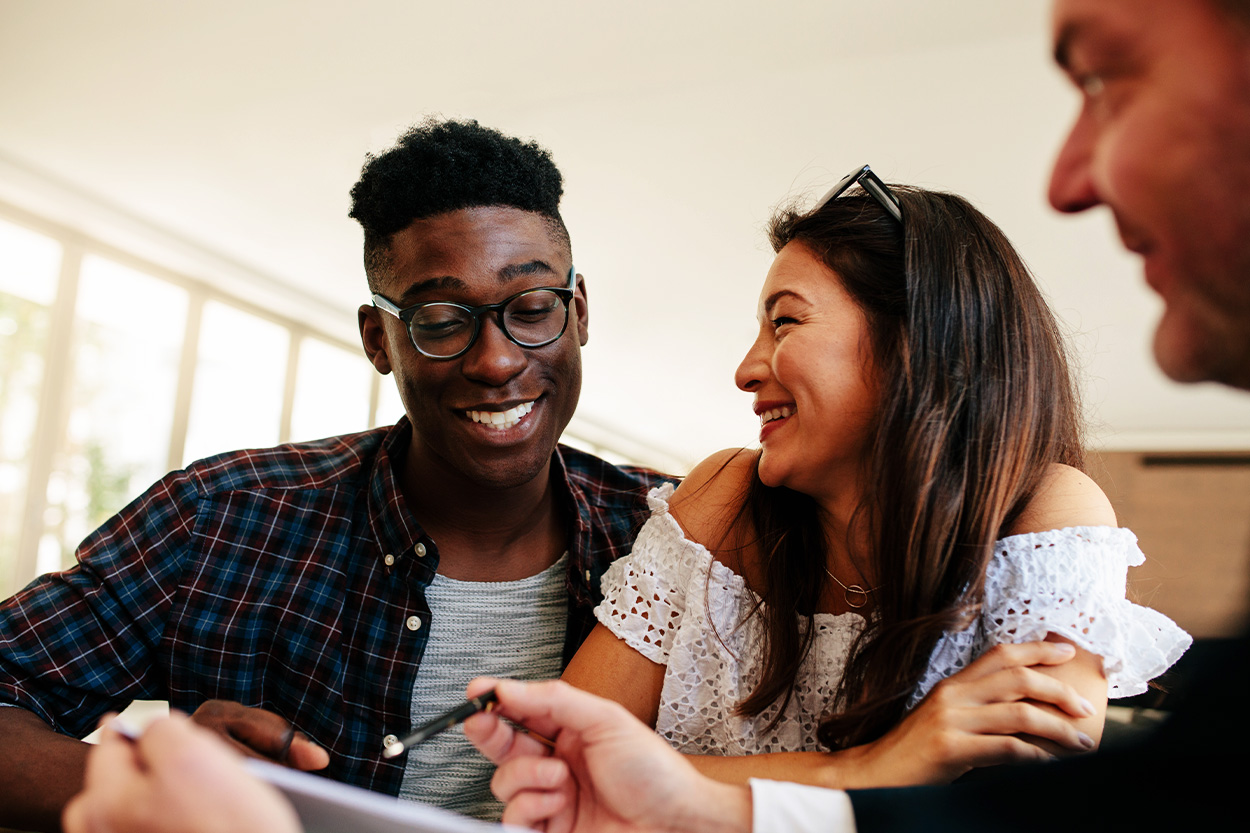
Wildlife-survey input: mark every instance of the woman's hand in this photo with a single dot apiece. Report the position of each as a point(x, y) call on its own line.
point(977, 717)
point(607, 773)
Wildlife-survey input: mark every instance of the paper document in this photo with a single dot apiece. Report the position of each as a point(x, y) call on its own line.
point(326, 806)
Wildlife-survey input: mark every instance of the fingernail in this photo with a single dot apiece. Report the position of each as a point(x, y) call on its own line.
point(1065, 647)
point(551, 772)
point(1085, 740)
point(1088, 707)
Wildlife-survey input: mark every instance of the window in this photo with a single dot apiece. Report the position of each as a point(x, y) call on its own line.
point(331, 391)
point(127, 344)
point(240, 382)
point(29, 266)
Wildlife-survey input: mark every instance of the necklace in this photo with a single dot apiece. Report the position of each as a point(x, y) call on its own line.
point(855, 595)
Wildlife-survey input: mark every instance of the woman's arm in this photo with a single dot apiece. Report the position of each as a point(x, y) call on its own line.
point(608, 666)
point(982, 715)
point(977, 717)
point(605, 665)
point(1067, 497)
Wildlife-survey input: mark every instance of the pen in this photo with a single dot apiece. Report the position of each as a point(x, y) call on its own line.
point(461, 713)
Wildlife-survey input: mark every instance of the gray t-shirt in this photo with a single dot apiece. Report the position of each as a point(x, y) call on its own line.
point(504, 629)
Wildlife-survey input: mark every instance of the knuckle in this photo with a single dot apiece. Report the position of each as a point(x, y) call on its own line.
point(1002, 650)
point(1021, 714)
point(1020, 676)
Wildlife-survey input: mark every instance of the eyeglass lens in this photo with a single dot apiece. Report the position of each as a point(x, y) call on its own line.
point(531, 319)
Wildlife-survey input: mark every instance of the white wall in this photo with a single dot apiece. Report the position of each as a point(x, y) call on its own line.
point(678, 127)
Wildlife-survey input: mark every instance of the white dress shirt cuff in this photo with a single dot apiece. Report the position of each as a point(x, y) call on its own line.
point(782, 807)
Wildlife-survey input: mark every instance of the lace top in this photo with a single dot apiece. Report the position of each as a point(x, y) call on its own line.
point(677, 606)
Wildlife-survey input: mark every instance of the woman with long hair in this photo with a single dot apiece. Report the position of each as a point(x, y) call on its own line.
point(911, 576)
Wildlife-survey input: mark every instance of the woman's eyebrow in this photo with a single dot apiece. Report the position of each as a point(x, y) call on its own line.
point(772, 300)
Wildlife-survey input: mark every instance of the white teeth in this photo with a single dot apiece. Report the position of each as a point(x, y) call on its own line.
point(776, 413)
point(502, 420)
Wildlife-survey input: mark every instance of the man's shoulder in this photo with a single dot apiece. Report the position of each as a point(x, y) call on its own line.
point(585, 468)
point(607, 483)
point(317, 464)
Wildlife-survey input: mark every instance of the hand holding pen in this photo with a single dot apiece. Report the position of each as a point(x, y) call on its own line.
point(470, 707)
point(483, 702)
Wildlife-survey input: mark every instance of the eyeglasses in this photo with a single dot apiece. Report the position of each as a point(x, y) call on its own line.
point(443, 330)
point(870, 182)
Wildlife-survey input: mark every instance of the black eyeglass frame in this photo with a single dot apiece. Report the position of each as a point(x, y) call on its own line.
point(564, 293)
point(872, 184)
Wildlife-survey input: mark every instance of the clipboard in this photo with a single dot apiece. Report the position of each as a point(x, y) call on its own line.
point(326, 806)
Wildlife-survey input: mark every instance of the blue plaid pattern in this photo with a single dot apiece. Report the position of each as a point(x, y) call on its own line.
point(259, 576)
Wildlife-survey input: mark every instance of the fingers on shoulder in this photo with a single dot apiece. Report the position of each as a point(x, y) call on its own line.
point(1065, 497)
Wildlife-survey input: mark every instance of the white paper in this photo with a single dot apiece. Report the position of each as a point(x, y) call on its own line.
point(326, 806)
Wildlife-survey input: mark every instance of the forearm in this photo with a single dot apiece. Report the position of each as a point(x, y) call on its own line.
point(716, 808)
point(834, 770)
point(40, 771)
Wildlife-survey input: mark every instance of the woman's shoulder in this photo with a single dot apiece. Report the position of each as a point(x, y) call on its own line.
point(708, 503)
point(1066, 497)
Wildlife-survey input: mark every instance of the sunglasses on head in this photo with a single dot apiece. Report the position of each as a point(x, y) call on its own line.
point(871, 183)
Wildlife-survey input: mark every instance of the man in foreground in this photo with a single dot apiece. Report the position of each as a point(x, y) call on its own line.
point(1163, 139)
point(311, 601)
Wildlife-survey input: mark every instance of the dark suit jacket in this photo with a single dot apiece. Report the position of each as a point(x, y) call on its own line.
point(1190, 774)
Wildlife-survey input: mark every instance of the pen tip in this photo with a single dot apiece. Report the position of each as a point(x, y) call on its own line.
point(392, 751)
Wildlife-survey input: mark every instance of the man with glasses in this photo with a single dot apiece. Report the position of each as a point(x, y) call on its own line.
point(311, 602)
point(1163, 140)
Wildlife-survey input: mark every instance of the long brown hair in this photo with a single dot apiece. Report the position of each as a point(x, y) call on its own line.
point(977, 400)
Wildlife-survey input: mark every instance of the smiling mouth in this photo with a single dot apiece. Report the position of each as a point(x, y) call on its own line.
point(775, 414)
point(502, 420)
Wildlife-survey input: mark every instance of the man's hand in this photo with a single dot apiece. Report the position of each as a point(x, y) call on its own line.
point(176, 778)
point(262, 734)
point(608, 773)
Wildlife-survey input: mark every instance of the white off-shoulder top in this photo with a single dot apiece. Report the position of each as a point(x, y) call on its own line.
point(677, 606)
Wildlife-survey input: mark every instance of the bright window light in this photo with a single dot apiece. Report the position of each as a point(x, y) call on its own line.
point(331, 391)
point(239, 382)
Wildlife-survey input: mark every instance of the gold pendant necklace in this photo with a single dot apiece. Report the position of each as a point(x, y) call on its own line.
point(855, 595)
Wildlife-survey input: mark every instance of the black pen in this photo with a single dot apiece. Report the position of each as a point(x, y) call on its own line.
point(461, 713)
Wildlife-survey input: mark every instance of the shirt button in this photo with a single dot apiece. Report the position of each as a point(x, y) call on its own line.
point(389, 740)
point(413, 623)
point(389, 559)
point(420, 550)
point(588, 576)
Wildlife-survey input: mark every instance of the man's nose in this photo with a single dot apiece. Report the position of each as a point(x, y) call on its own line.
point(494, 358)
point(1072, 186)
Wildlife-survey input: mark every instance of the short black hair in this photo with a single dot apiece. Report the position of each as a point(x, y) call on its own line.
point(446, 165)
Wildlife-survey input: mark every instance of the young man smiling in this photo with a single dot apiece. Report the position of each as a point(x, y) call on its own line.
point(350, 587)
point(1162, 139)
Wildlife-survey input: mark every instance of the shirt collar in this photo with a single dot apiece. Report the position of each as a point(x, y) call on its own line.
point(397, 533)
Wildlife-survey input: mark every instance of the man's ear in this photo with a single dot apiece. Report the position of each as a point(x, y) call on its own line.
point(373, 337)
point(582, 309)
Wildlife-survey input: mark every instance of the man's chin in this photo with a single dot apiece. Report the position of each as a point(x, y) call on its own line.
point(1189, 352)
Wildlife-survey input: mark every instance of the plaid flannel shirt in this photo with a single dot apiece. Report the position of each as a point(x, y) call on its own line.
point(261, 576)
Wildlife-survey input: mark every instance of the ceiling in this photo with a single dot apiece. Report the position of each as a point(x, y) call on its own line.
point(223, 137)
